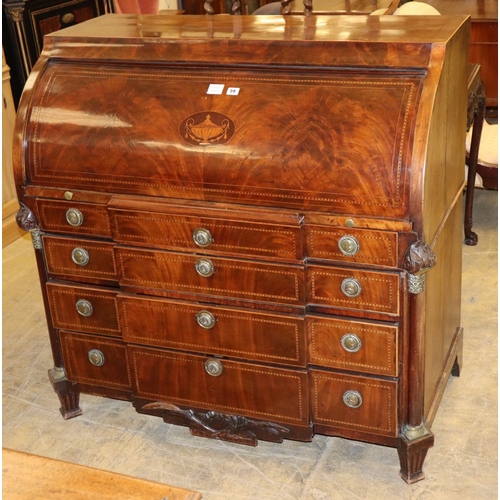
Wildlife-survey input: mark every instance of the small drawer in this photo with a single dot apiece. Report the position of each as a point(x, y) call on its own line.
point(359, 403)
point(353, 345)
point(353, 289)
point(236, 333)
point(94, 360)
point(84, 260)
point(272, 394)
point(83, 309)
point(355, 245)
point(214, 276)
point(74, 218)
point(206, 235)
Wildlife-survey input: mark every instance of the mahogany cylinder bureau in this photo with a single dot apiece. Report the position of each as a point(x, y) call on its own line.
point(252, 226)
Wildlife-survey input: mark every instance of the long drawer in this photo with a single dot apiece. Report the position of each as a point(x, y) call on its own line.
point(210, 276)
point(202, 234)
point(352, 402)
point(353, 345)
point(272, 394)
point(237, 333)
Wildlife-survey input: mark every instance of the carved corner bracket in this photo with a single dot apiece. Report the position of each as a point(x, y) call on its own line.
point(418, 260)
point(211, 424)
point(27, 222)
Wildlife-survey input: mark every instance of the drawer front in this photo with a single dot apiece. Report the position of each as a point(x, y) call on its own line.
point(271, 394)
point(94, 360)
point(80, 259)
point(353, 345)
point(84, 309)
point(214, 276)
point(214, 330)
point(206, 235)
point(362, 246)
point(74, 218)
point(358, 403)
point(354, 289)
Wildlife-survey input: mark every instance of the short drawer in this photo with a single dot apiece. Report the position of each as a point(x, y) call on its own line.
point(84, 309)
point(94, 360)
point(355, 245)
point(206, 235)
point(214, 276)
point(359, 403)
point(80, 259)
point(238, 333)
point(272, 394)
point(74, 218)
point(354, 289)
point(353, 345)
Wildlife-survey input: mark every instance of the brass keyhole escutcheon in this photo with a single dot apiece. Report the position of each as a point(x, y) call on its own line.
point(352, 399)
point(74, 217)
point(351, 287)
point(214, 367)
point(204, 267)
point(351, 342)
point(96, 357)
point(348, 245)
point(202, 237)
point(80, 256)
point(84, 308)
point(205, 319)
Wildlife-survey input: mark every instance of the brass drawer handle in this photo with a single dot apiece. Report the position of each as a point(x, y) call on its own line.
point(348, 245)
point(96, 357)
point(204, 267)
point(84, 308)
point(80, 256)
point(351, 342)
point(202, 237)
point(74, 217)
point(352, 399)
point(351, 287)
point(205, 319)
point(214, 367)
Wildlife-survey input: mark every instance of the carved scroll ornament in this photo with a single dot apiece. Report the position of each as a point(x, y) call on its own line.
point(27, 222)
point(419, 259)
point(233, 428)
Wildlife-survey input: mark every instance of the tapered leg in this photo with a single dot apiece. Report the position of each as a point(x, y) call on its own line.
point(412, 454)
point(68, 393)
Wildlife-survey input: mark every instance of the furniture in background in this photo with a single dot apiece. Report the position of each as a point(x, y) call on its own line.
point(246, 244)
point(483, 40)
point(10, 206)
point(25, 22)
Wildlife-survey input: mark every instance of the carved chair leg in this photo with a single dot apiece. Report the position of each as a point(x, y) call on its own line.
point(68, 393)
point(412, 454)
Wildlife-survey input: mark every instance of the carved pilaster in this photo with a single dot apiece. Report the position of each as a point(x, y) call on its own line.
point(419, 259)
point(211, 424)
point(27, 222)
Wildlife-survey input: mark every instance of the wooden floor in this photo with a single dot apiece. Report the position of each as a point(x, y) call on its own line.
point(27, 477)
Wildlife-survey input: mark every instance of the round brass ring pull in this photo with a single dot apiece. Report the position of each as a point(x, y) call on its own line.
point(204, 267)
point(96, 357)
point(351, 342)
point(84, 308)
point(205, 319)
point(202, 237)
point(351, 287)
point(80, 256)
point(352, 399)
point(348, 245)
point(74, 217)
point(214, 367)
